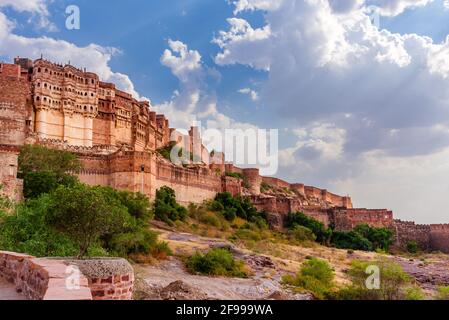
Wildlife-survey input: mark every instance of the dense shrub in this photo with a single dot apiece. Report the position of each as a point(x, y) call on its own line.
point(412, 247)
point(71, 220)
point(216, 262)
point(363, 237)
point(443, 293)
point(414, 293)
point(380, 238)
point(393, 285)
point(234, 175)
point(351, 240)
point(315, 276)
point(232, 207)
point(27, 232)
point(248, 234)
point(300, 219)
point(166, 151)
point(301, 234)
point(85, 214)
point(166, 208)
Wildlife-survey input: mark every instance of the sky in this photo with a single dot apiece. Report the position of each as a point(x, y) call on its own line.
point(358, 89)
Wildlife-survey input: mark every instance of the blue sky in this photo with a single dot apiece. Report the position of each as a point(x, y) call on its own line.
point(141, 28)
point(360, 110)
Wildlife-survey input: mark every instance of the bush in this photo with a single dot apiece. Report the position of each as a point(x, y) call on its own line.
point(166, 208)
point(211, 219)
point(412, 247)
point(414, 293)
point(443, 293)
point(232, 207)
point(247, 234)
point(235, 175)
point(217, 262)
point(166, 151)
point(315, 276)
point(301, 234)
point(81, 220)
point(380, 238)
point(28, 232)
point(351, 240)
point(363, 237)
point(393, 282)
point(85, 214)
point(318, 228)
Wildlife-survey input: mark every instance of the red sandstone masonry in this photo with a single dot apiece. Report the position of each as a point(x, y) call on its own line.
point(40, 279)
point(118, 287)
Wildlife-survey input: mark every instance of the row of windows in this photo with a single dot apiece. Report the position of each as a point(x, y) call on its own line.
point(105, 92)
point(124, 113)
point(80, 93)
point(67, 75)
point(141, 136)
point(56, 102)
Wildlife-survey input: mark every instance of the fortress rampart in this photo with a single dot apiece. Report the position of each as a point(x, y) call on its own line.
point(118, 140)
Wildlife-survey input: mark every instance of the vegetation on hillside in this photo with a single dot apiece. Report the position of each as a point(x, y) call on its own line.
point(363, 237)
point(237, 175)
point(166, 208)
point(75, 219)
point(315, 276)
point(393, 284)
point(232, 207)
point(216, 262)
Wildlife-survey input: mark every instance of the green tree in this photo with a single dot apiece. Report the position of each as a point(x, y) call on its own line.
point(85, 214)
point(300, 219)
point(166, 208)
point(381, 238)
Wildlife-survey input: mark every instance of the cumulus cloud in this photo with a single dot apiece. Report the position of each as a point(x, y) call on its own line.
point(251, 93)
point(386, 7)
point(38, 9)
point(194, 100)
point(93, 57)
point(395, 7)
point(355, 91)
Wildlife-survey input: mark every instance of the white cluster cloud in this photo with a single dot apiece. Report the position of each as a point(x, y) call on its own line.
point(194, 100)
point(254, 95)
point(93, 57)
point(38, 9)
point(385, 94)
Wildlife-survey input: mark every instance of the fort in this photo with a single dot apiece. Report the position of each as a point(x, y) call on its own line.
point(117, 139)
